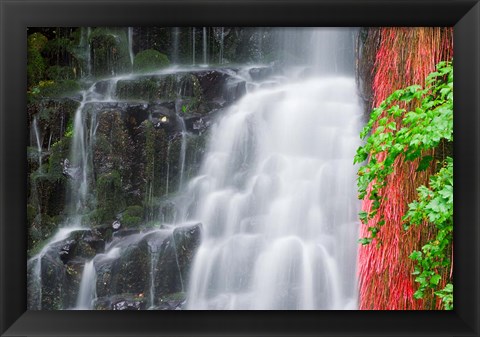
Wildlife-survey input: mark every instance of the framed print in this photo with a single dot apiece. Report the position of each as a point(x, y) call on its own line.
point(244, 168)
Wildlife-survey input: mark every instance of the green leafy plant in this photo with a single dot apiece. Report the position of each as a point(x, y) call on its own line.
point(417, 132)
point(435, 205)
point(392, 134)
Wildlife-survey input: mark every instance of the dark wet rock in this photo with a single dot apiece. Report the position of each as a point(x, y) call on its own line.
point(128, 305)
point(53, 280)
point(187, 240)
point(83, 244)
point(212, 83)
point(260, 74)
point(234, 90)
point(176, 255)
point(73, 277)
point(127, 274)
point(125, 232)
point(200, 123)
point(174, 301)
point(121, 302)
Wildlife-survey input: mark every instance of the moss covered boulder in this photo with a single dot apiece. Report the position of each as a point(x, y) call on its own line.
point(150, 60)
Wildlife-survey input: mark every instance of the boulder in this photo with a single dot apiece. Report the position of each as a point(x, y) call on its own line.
point(121, 302)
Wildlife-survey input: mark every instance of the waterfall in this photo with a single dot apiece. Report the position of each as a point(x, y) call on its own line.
point(220, 60)
point(193, 46)
point(276, 194)
point(183, 149)
point(87, 291)
point(38, 142)
point(79, 167)
point(175, 44)
point(168, 166)
point(34, 264)
point(204, 42)
point(130, 44)
point(85, 51)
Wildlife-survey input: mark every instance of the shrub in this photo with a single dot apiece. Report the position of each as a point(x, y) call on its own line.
point(150, 59)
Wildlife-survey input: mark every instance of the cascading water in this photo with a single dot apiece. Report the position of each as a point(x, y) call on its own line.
point(222, 37)
point(130, 44)
point(204, 42)
point(193, 45)
point(79, 166)
point(175, 44)
point(38, 142)
point(183, 149)
point(87, 291)
point(276, 195)
point(34, 265)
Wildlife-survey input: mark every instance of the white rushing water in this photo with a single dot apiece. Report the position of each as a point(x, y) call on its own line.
point(130, 45)
point(35, 264)
point(87, 291)
point(276, 195)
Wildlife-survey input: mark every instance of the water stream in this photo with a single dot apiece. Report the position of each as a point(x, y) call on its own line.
point(275, 192)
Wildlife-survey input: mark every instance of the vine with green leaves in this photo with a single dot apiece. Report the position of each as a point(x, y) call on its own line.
point(393, 132)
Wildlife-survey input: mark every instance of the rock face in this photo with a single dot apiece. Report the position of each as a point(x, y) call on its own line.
point(146, 136)
point(140, 270)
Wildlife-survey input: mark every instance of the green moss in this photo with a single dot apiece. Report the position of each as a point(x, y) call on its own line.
point(180, 296)
point(110, 51)
point(52, 89)
point(31, 213)
point(36, 66)
point(133, 216)
point(150, 60)
point(131, 221)
point(144, 89)
point(59, 73)
point(110, 196)
point(37, 41)
point(59, 151)
point(135, 210)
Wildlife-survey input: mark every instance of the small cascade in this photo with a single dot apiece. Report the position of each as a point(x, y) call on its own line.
point(175, 44)
point(175, 249)
point(34, 267)
point(220, 57)
point(87, 291)
point(130, 44)
point(78, 168)
point(49, 141)
point(204, 45)
point(154, 255)
point(193, 46)
point(85, 51)
point(168, 167)
point(183, 150)
point(38, 142)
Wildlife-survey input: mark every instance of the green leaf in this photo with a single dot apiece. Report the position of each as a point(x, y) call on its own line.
point(424, 163)
point(435, 279)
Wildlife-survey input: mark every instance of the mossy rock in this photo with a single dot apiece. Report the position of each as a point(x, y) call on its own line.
point(144, 89)
point(59, 73)
point(133, 216)
point(110, 51)
point(110, 196)
point(150, 60)
point(37, 41)
point(36, 66)
point(55, 89)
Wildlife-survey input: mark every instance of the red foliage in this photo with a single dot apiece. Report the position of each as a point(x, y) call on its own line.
point(405, 57)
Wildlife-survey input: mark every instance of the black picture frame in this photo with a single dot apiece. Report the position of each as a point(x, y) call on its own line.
point(16, 15)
